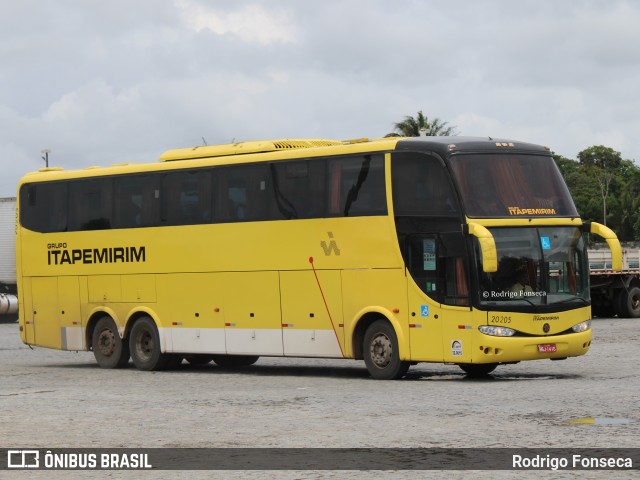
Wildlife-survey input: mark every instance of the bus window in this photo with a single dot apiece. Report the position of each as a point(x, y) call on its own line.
point(186, 197)
point(356, 186)
point(137, 199)
point(43, 207)
point(437, 265)
point(452, 254)
point(511, 186)
point(421, 186)
point(298, 189)
point(90, 205)
point(245, 193)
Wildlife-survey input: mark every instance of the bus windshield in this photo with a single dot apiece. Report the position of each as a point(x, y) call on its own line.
point(536, 266)
point(511, 185)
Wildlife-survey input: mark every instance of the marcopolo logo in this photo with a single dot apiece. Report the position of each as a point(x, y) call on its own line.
point(331, 247)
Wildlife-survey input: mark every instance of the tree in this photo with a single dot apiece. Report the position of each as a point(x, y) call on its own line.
point(600, 156)
point(420, 125)
point(604, 161)
point(605, 189)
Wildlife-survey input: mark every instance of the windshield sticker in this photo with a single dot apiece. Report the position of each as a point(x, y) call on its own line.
point(546, 243)
point(531, 211)
point(429, 254)
point(456, 348)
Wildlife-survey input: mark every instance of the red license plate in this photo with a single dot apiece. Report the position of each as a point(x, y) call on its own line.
point(547, 348)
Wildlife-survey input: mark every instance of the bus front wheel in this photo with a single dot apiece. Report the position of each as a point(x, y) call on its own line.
point(381, 353)
point(108, 348)
point(144, 344)
point(477, 369)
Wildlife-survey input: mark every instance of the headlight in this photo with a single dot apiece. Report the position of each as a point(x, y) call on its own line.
point(496, 331)
point(582, 326)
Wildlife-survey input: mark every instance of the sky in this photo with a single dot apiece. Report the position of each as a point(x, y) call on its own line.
point(102, 82)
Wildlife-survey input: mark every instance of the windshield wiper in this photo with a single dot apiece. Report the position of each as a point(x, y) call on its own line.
point(567, 300)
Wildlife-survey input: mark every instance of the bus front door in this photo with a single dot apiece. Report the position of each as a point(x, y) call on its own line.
point(439, 308)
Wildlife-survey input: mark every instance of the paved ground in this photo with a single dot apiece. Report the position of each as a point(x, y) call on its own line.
point(53, 399)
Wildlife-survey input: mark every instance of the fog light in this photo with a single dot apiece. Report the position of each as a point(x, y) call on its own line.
point(497, 331)
point(582, 326)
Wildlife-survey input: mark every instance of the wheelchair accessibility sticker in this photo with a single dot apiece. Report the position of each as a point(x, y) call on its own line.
point(546, 243)
point(424, 310)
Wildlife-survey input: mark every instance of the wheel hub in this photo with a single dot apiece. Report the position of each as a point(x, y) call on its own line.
point(381, 350)
point(107, 343)
point(145, 345)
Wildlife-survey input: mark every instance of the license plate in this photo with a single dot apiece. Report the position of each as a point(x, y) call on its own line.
point(547, 348)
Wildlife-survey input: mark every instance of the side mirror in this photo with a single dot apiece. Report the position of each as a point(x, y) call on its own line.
point(611, 239)
point(487, 246)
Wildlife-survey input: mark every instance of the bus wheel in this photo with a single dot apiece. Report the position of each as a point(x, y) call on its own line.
point(198, 359)
point(144, 344)
point(630, 302)
point(108, 348)
point(381, 353)
point(235, 360)
point(478, 369)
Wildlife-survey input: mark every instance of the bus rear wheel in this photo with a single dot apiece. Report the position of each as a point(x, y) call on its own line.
point(198, 359)
point(235, 360)
point(144, 344)
point(381, 353)
point(108, 348)
point(478, 369)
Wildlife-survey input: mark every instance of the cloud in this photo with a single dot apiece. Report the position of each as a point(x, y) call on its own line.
point(251, 23)
point(99, 83)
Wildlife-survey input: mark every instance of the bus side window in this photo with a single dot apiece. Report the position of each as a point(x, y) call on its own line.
point(43, 207)
point(186, 197)
point(137, 201)
point(357, 186)
point(422, 261)
point(421, 186)
point(245, 193)
point(298, 188)
point(452, 257)
point(90, 204)
point(437, 265)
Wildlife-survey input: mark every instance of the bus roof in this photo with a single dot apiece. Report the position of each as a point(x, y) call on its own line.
point(241, 148)
point(441, 145)
point(445, 146)
point(283, 149)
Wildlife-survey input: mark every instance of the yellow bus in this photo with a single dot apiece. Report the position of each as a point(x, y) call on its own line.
point(456, 250)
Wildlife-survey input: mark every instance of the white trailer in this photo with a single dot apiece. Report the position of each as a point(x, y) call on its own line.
point(8, 291)
point(615, 293)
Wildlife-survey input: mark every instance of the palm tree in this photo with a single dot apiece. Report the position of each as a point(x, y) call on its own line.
point(421, 126)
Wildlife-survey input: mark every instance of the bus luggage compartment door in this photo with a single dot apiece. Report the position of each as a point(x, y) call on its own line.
point(252, 313)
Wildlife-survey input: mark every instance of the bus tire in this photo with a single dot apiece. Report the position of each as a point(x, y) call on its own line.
point(144, 345)
point(108, 348)
point(630, 302)
point(478, 369)
point(198, 359)
point(381, 352)
point(174, 361)
point(234, 360)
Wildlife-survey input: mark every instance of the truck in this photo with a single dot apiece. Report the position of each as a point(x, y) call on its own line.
point(615, 292)
point(8, 290)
